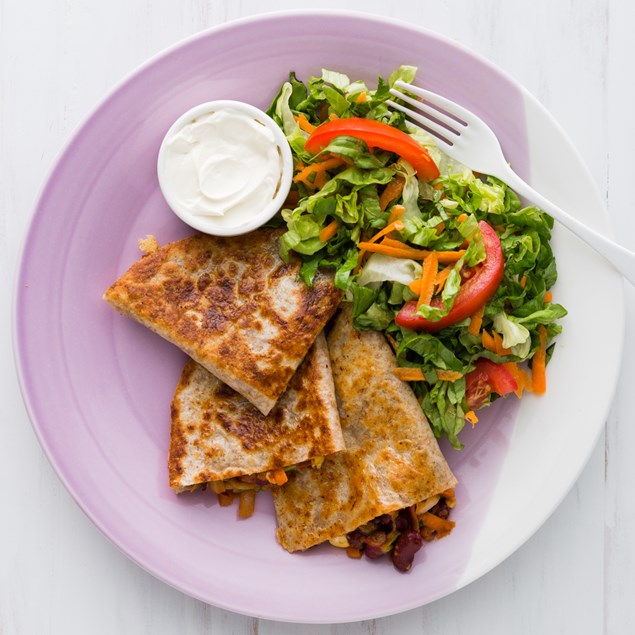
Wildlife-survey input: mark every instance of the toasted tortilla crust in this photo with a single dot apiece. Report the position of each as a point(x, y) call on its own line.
point(217, 434)
point(392, 459)
point(232, 305)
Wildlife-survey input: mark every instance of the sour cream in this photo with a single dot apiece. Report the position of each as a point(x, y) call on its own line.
point(225, 167)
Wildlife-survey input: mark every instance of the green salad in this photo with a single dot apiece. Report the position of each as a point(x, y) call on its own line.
point(445, 262)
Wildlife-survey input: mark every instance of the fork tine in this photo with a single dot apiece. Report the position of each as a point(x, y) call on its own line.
point(440, 102)
point(439, 132)
point(452, 124)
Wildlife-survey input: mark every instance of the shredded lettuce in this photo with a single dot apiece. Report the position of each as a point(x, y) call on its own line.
point(404, 73)
point(379, 268)
point(443, 215)
point(410, 193)
point(515, 336)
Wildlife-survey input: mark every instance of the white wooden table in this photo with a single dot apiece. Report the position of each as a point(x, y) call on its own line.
point(58, 574)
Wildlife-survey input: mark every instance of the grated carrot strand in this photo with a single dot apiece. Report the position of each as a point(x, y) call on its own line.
point(328, 231)
point(448, 375)
point(409, 374)
point(304, 123)
point(391, 191)
point(327, 164)
point(476, 321)
point(539, 363)
point(428, 276)
point(471, 418)
point(396, 212)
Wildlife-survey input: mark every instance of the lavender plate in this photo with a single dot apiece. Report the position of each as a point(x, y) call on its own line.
point(98, 386)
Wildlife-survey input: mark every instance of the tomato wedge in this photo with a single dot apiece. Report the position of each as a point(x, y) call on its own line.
point(486, 378)
point(376, 135)
point(472, 295)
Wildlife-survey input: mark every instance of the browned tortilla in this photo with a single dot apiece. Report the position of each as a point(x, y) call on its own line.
point(217, 434)
point(392, 459)
point(232, 305)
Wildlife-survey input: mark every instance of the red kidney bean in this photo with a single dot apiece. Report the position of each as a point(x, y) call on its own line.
point(441, 510)
point(356, 539)
point(403, 520)
point(367, 528)
point(385, 523)
point(376, 539)
point(405, 549)
point(373, 552)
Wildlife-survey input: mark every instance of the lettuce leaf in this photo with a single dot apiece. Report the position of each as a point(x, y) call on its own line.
point(379, 268)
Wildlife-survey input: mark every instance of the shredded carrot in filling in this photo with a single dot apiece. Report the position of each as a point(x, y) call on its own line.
point(548, 296)
point(218, 487)
point(277, 477)
point(436, 527)
point(450, 498)
point(409, 374)
point(226, 498)
point(246, 503)
point(414, 519)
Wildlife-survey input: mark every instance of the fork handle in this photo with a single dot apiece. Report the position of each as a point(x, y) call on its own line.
point(622, 259)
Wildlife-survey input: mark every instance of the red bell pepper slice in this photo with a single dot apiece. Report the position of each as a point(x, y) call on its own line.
point(375, 134)
point(472, 295)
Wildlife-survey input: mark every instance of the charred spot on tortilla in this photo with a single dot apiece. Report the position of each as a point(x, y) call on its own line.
point(218, 436)
point(232, 305)
point(392, 461)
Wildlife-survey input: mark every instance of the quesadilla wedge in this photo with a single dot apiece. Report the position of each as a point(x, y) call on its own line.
point(232, 305)
point(220, 438)
point(374, 497)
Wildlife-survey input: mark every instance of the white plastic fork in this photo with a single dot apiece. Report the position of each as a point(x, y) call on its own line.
point(466, 138)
